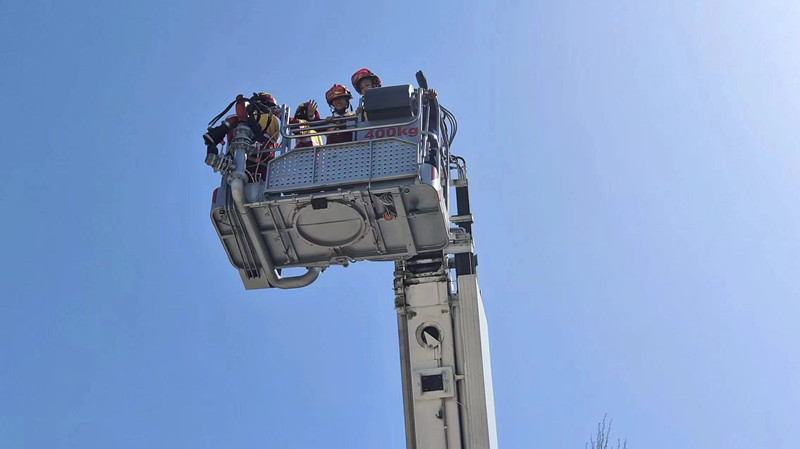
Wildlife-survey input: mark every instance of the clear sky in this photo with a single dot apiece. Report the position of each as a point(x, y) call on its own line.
point(635, 176)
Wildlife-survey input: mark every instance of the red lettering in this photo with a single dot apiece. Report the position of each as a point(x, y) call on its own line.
point(391, 132)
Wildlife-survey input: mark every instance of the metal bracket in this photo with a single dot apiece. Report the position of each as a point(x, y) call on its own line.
point(458, 219)
point(460, 242)
point(222, 164)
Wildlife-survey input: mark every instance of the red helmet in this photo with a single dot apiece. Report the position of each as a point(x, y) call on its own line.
point(337, 91)
point(361, 74)
point(267, 98)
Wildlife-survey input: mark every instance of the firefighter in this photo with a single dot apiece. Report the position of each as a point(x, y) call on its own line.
point(338, 98)
point(260, 116)
point(306, 112)
point(364, 79)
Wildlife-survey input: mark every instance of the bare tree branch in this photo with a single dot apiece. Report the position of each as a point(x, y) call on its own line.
point(600, 440)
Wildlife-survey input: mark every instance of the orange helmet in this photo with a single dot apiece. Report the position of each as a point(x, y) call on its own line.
point(337, 91)
point(361, 74)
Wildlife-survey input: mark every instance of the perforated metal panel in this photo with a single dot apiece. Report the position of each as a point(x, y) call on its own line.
point(354, 162)
point(393, 157)
point(346, 163)
point(290, 170)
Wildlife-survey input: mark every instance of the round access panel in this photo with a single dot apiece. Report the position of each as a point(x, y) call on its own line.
point(429, 335)
point(332, 225)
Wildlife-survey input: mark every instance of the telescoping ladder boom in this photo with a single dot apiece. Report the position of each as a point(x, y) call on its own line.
point(384, 196)
point(444, 348)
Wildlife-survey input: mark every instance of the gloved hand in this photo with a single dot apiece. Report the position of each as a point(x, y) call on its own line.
point(216, 134)
point(312, 110)
point(429, 94)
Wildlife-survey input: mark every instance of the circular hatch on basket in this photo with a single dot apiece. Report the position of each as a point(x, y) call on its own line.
point(329, 224)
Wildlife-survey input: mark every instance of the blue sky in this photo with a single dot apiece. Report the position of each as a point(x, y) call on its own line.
point(634, 170)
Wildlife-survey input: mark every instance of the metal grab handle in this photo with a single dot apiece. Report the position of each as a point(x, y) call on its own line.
point(286, 125)
point(335, 131)
point(346, 118)
point(318, 126)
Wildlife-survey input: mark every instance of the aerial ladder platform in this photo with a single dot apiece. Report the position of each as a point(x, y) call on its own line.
point(385, 196)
